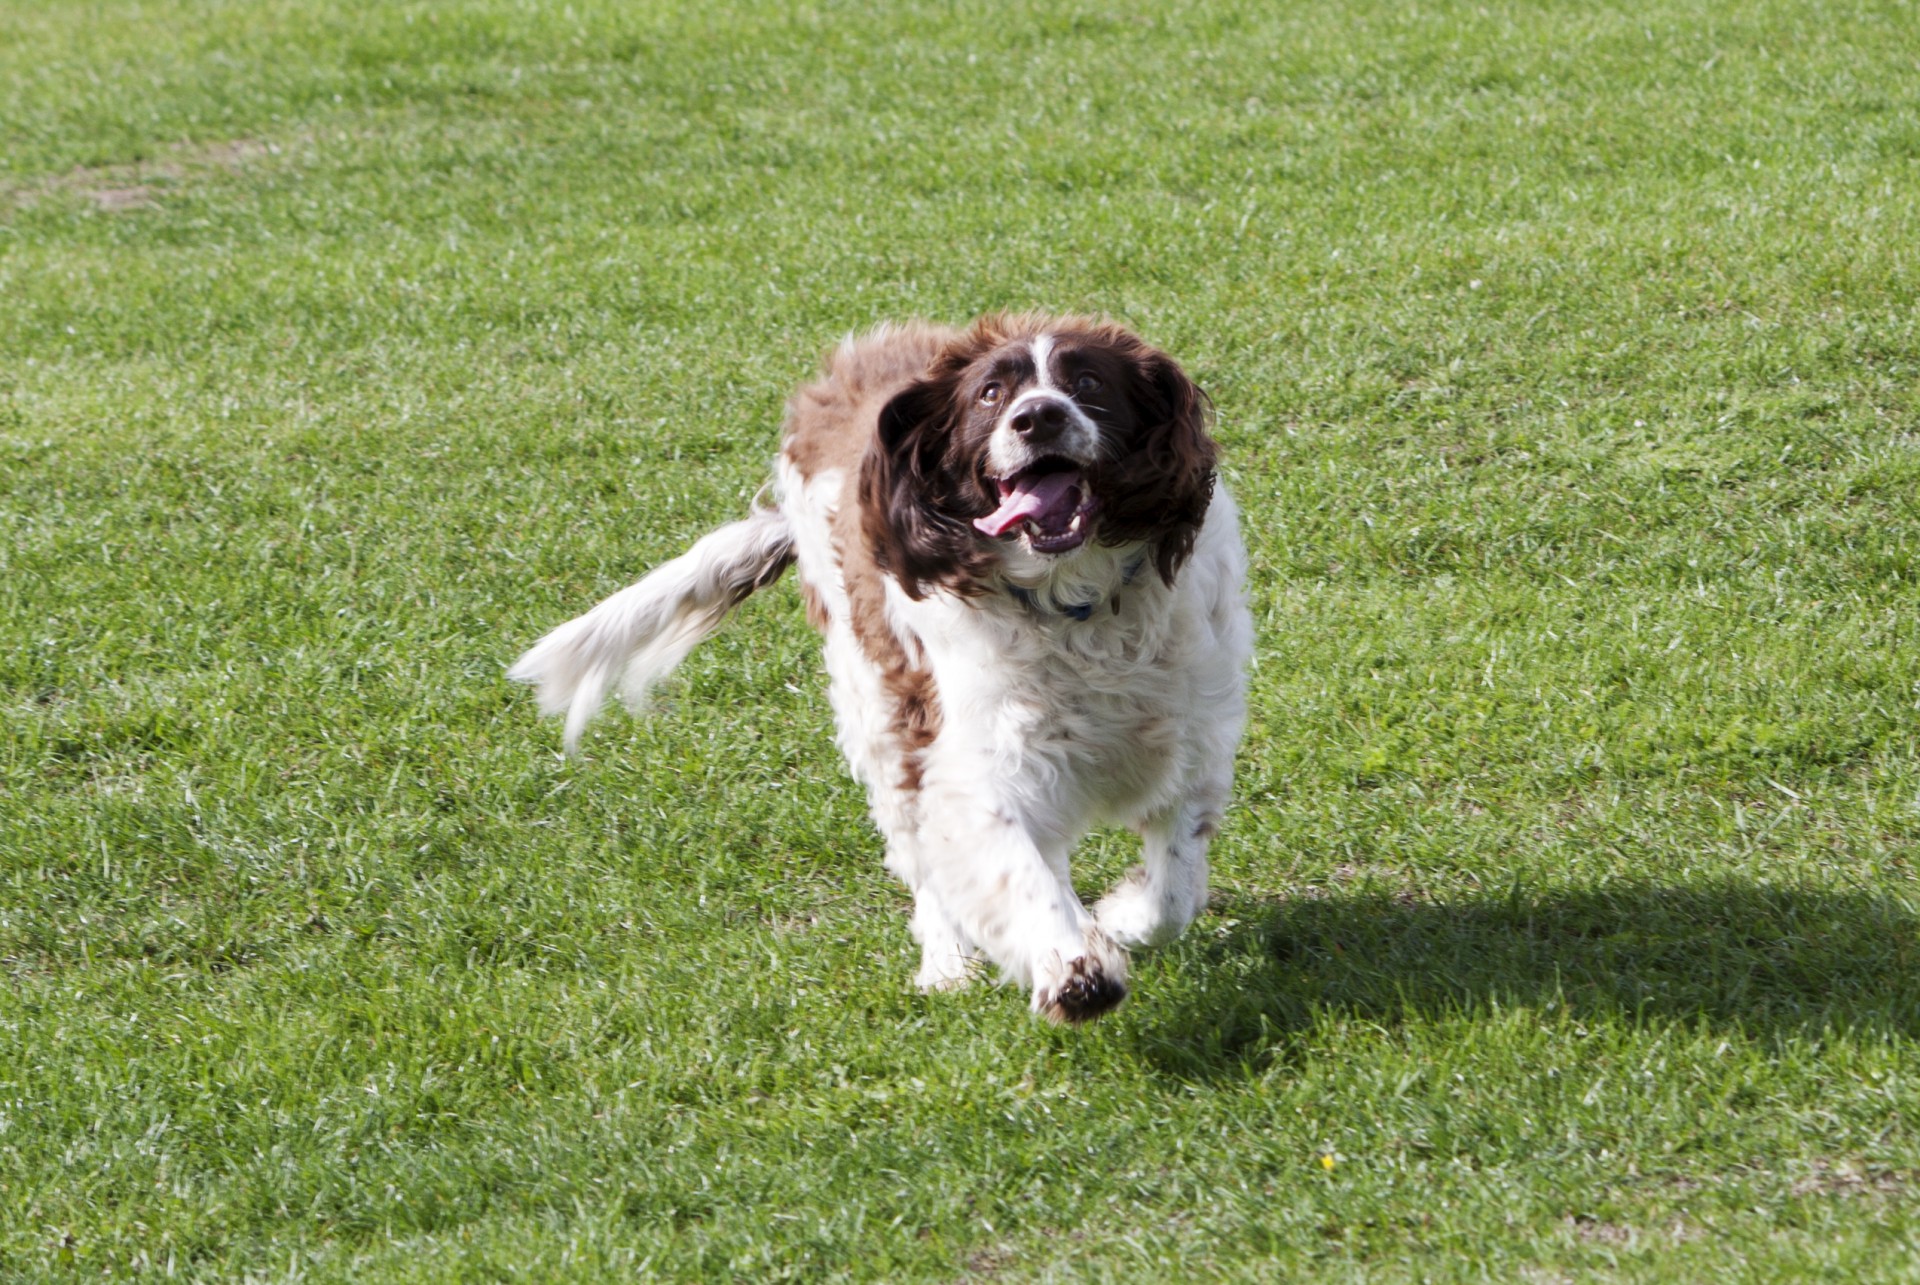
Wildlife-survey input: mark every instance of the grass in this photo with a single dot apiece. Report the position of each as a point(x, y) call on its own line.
point(1566, 926)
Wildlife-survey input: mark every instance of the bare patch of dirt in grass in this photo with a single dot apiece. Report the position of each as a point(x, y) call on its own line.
point(982, 1263)
point(1840, 1179)
point(793, 925)
point(114, 199)
point(1598, 1231)
point(1845, 1178)
point(137, 185)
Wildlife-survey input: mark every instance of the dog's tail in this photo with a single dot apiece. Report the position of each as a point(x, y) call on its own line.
point(639, 634)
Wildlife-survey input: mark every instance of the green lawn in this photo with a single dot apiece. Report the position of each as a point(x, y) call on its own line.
point(1566, 926)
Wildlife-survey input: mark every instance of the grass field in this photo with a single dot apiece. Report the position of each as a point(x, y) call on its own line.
point(1566, 926)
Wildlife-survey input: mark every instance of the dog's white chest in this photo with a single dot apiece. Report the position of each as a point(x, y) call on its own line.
point(1065, 710)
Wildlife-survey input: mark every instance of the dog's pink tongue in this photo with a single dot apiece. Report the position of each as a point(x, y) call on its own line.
point(1029, 497)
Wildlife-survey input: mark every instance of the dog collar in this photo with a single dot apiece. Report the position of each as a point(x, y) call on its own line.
point(1073, 610)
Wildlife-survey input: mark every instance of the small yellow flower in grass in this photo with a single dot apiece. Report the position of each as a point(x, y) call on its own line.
point(1328, 1160)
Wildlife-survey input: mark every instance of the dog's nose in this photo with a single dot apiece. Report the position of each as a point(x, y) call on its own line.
point(1048, 417)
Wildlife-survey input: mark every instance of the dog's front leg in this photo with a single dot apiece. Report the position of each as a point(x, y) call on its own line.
point(991, 879)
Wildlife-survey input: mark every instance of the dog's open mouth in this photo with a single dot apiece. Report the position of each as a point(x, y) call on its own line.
point(1049, 501)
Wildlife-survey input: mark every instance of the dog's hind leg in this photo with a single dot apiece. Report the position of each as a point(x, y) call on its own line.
point(948, 960)
point(1157, 899)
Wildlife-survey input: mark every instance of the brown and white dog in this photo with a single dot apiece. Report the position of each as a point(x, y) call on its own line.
point(1030, 586)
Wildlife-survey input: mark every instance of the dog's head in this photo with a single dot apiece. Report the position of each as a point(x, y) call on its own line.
point(1048, 432)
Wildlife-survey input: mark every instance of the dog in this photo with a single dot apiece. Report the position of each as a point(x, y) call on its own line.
point(1031, 587)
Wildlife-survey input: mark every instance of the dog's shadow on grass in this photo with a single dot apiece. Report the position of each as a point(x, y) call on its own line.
point(1770, 962)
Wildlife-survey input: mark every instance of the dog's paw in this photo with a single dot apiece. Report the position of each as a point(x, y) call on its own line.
point(1081, 992)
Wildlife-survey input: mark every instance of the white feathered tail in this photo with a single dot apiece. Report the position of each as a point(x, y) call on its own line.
point(639, 634)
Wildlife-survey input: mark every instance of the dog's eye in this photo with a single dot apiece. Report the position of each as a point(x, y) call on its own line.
point(1086, 384)
point(990, 394)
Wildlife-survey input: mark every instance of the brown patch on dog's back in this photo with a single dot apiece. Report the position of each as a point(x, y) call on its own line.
point(816, 609)
point(830, 425)
point(830, 422)
point(916, 699)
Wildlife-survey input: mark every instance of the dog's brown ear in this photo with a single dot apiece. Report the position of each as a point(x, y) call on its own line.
point(1161, 490)
point(916, 494)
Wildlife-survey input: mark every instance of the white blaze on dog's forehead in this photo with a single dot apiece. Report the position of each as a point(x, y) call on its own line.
point(1042, 354)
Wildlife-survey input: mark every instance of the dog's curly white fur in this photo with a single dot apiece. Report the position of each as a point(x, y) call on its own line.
point(1031, 591)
